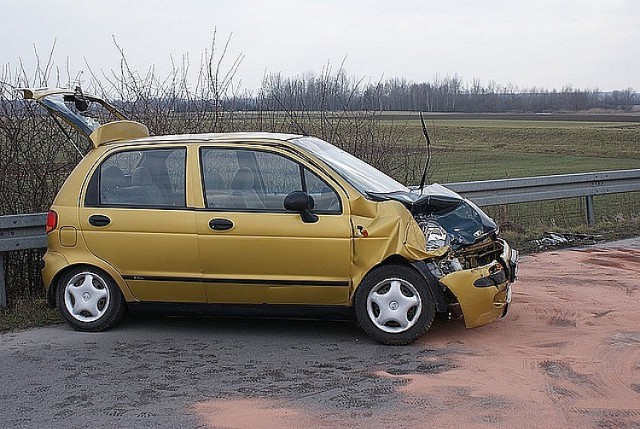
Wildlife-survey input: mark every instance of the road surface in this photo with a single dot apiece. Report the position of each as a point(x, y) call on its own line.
point(568, 355)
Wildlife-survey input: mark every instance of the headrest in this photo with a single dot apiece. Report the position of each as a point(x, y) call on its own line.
point(141, 176)
point(243, 180)
point(112, 178)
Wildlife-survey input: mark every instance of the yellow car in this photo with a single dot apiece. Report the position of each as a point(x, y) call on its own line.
point(286, 223)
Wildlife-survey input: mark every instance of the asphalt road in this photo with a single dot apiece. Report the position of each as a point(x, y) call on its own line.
point(148, 372)
point(536, 367)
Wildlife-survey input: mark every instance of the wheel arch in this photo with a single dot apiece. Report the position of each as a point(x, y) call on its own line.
point(436, 289)
point(53, 286)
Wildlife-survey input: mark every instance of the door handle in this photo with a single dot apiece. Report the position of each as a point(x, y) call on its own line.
point(219, 224)
point(99, 220)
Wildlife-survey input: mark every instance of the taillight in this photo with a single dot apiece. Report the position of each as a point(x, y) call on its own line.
point(52, 221)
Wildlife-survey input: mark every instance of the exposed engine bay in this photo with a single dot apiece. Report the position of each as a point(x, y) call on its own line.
point(448, 219)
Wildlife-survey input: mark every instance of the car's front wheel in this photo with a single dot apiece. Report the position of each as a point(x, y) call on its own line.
point(89, 300)
point(393, 305)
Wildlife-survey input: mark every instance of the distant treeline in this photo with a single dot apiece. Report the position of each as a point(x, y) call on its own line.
point(328, 91)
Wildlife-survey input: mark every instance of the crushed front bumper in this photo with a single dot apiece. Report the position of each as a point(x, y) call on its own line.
point(484, 293)
point(509, 258)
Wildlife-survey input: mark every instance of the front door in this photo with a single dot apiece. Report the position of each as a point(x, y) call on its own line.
point(252, 249)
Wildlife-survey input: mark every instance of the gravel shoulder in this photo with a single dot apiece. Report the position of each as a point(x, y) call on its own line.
point(567, 355)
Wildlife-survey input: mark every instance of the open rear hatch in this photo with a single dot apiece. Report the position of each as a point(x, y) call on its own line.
point(78, 110)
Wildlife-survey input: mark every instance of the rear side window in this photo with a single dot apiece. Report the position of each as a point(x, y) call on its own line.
point(140, 178)
point(253, 180)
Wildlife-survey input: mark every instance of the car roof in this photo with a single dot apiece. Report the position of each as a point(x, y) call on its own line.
point(244, 137)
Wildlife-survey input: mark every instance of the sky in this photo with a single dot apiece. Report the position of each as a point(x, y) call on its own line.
point(543, 43)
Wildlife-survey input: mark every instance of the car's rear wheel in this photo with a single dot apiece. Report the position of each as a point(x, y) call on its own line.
point(393, 305)
point(89, 300)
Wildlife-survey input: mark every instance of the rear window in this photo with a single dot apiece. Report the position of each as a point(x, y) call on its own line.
point(140, 178)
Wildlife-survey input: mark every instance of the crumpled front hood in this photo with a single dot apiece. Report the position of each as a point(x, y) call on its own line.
point(464, 221)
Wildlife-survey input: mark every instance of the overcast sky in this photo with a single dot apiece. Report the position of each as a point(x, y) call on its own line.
point(543, 43)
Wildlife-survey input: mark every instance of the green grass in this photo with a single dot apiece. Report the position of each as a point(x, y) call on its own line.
point(598, 140)
point(481, 149)
point(458, 166)
point(27, 314)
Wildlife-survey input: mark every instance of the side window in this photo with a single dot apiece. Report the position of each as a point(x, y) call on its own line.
point(150, 177)
point(280, 177)
point(247, 180)
point(326, 200)
point(241, 180)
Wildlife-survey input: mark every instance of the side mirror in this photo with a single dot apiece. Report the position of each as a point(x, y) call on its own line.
point(301, 202)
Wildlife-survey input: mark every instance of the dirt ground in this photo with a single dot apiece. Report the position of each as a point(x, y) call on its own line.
point(568, 355)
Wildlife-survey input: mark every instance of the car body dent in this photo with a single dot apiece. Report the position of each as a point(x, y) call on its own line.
point(381, 230)
point(479, 305)
point(439, 203)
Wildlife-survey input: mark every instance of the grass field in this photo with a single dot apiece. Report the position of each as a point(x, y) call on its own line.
point(459, 166)
point(479, 149)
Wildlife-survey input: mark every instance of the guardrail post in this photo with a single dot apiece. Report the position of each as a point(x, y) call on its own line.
point(3, 290)
point(591, 214)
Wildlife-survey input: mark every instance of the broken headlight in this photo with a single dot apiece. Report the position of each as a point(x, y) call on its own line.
point(444, 266)
point(435, 235)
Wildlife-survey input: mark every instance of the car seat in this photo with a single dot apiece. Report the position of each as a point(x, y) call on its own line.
point(243, 195)
point(143, 190)
point(112, 181)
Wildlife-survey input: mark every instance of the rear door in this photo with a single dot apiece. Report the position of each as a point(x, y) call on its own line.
point(252, 249)
point(135, 217)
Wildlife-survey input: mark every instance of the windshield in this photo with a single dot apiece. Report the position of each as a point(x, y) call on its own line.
point(358, 173)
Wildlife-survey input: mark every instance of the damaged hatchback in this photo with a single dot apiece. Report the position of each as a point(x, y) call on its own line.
point(284, 224)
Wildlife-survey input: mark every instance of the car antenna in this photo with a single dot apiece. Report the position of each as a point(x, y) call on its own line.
point(426, 165)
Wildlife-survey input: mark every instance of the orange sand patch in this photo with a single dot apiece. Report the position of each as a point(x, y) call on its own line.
point(567, 355)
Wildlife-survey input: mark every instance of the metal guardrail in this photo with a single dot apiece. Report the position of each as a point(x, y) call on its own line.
point(27, 231)
point(19, 232)
point(529, 189)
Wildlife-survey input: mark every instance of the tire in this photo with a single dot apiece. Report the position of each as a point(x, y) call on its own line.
point(393, 305)
point(89, 300)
